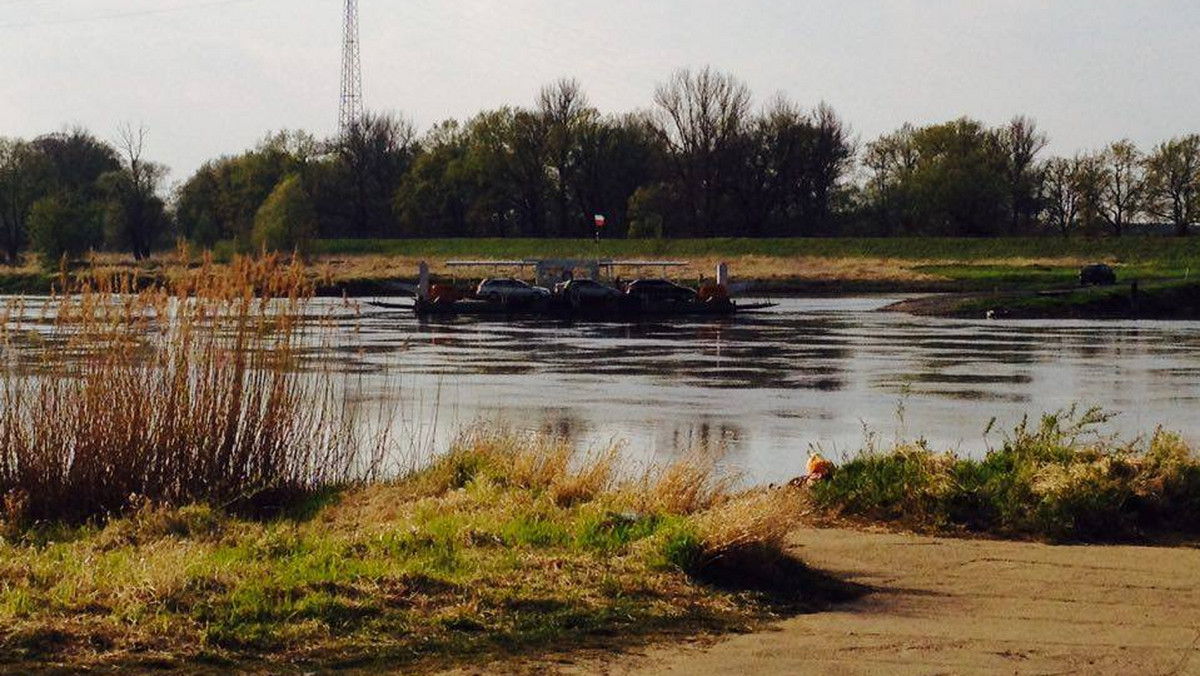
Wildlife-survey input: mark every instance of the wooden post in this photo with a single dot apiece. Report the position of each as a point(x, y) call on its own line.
point(423, 282)
point(723, 275)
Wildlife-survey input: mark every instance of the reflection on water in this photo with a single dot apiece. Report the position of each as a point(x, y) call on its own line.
point(810, 372)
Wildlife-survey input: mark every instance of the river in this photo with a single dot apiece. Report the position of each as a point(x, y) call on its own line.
point(826, 373)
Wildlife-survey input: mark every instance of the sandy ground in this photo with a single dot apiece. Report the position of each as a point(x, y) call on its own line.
point(944, 606)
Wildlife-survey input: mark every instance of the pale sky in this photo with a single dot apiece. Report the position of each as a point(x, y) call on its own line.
point(211, 77)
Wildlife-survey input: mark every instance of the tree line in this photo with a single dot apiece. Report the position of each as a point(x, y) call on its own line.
point(702, 161)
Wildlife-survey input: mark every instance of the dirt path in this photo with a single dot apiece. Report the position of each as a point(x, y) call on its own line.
point(967, 607)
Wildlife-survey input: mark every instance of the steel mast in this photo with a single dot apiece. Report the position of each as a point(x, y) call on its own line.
point(352, 100)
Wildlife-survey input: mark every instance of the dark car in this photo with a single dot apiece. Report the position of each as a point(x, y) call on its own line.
point(579, 291)
point(660, 291)
point(1098, 274)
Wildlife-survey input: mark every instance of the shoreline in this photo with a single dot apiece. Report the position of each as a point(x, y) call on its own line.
point(1164, 301)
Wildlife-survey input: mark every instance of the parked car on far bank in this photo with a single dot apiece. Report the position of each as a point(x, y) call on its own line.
point(1097, 274)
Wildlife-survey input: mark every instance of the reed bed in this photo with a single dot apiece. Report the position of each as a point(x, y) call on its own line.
point(183, 391)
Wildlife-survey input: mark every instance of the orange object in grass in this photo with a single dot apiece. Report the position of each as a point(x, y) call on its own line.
point(818, 467)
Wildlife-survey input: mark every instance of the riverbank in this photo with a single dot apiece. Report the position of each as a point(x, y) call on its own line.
point(501, 549)
point(783, 266)
point(1057, 479)
point(954, 606)
point(1152, 300)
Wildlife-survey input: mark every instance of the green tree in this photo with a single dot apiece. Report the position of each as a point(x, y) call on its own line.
point(616, 157)
point(1173, 182)
point(959, 182)
point(221, 199)
point(22, 178)
point(287, 221)
point(436, 195)
point(199, 207)
point(944, 179)
point(506, 159)
point(371, 159)
point(75, 161)
point(646, 213)
point(1090, 177)
point(60, 226)
point(793, 164)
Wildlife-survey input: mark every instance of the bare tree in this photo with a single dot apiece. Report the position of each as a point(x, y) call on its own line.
point(1123, 185)
point(1173, 182)
point(1061, 194)
point(702, 117)
point(136, 213)
point(1022, 143)
point(564, 110)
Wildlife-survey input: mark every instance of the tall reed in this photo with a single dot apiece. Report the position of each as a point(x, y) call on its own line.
point(184, 391)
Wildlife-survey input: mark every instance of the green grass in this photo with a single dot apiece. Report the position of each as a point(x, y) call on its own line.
point(1131, 250)
point(913, 263)
point(502, 548)
point(1161, 299)
point(1050, 480)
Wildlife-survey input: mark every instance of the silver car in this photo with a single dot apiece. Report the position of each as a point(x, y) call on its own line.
point(509, 290)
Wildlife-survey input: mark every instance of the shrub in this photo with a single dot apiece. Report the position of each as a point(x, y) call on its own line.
point(61, 227)
point(1045, 480)
point(287, 221)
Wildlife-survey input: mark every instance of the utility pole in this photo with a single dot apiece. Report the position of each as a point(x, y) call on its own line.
point(352, 101)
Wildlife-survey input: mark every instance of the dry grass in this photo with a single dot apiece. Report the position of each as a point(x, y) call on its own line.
point(179, 392)
point(505, 546)
point(333, 270)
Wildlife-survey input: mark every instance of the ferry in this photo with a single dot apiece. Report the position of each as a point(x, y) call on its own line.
point(575, 288)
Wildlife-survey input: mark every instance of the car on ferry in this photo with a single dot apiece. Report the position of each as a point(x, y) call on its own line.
point(583, 291)
point(510, 291)
point(660, 291)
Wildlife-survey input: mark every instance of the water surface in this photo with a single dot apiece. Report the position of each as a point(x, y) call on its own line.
point(825, 373)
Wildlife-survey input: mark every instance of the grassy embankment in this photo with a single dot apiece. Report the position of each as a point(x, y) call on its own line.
point(1054, 481)
point(785, 265)
point(180, 489)
point(820, 264)
point(503, 548)
point(1177, 299)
